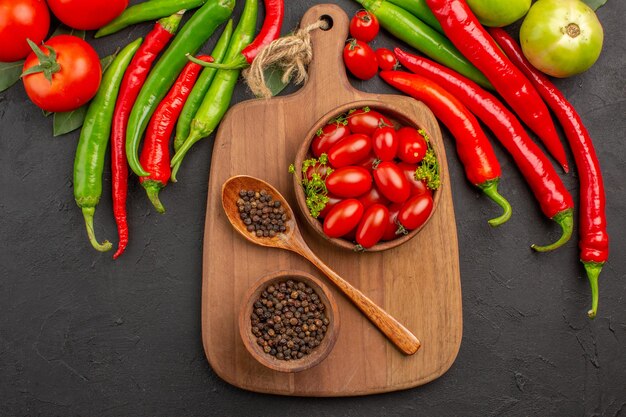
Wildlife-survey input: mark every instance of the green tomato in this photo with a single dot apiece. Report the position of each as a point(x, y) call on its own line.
point(561, 37)
point(498, 13)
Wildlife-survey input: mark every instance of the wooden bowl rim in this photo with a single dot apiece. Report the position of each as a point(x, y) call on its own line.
point(320, 352)
point(396, 115)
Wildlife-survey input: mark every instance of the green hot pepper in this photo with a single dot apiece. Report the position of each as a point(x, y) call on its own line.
point(183, 126)
point(188, 40)
point(220, 93)
point(419, 9)
point(94, 138)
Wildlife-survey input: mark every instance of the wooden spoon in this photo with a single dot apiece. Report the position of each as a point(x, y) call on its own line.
point(292, 240)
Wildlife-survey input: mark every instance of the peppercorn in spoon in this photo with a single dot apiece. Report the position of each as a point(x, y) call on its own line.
point(291, 239)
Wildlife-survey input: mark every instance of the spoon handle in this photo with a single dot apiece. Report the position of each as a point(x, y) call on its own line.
point(395, 332)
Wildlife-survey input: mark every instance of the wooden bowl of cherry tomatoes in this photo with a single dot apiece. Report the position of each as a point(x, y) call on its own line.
point(366, 177)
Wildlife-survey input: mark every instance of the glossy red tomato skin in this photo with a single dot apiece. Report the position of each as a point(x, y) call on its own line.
point(411, 145)
point(415, 211)
point(391, 182)
point(87, 14)
point(368, 163)
point(74, 85)
point(364, 26)
point(360, 59)
point(392, 227)
point(330, 135)
point(19, 20)
point(373, 196)
point(361, 121)
point(385, 143)
point(343, 217)
point(332, 201)
point(417, 186)
point(349, 182)
point(350, 150)
point(386, 59)
point(372, 226)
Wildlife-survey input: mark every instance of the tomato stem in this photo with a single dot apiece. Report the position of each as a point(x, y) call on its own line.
point(48, 64)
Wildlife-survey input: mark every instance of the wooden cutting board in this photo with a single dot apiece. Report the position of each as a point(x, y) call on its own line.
point(418, 282)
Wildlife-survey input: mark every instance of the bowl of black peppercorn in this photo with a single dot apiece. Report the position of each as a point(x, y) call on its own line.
point(289, 321)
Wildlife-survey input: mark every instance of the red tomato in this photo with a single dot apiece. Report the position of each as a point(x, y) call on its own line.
point(316, 169)
point(386, 59)
point(391, 182)
point(344, 217)
point(21, 19)
point(332, 201)
point(385, 143)
point(415, 211)
point(74, 84)
point(361, 121)
point(417, 186)
point(392, 227)
point(373, 197)
point(349, 181)
point(411, 145)
point(364, 26)
point(350, 150)
point(368, 163)
point(360, 60)
point(372, 226)
point(87, 14)
point(327, 137)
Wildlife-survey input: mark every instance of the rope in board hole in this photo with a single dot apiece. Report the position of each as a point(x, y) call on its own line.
point(291, 54)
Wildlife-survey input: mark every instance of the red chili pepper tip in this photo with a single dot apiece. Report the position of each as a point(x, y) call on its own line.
point(565, 219)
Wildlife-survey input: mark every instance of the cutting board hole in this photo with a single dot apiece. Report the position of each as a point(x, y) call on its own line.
point(328, 20)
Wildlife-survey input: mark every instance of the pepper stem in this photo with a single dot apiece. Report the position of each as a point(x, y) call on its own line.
point(193, 137)
point(171, 23)
point(88, 213)
point(593, 272)
point(490, 188)
point(152, 189)
point(565, 219)
point(236, 64)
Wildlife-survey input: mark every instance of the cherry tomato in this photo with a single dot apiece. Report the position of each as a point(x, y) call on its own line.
point(411, 145)
point(360, 60)
point(347, 182)
point(350, 150)
point(415, 211)
point(316, 169)
point(21, 19)
point(386, 59)
point(372, 197)
point(364, 26)
point(417, 186)
point(351, 235)
point(74, 84)
point(385, 143)
point(372, 226)
point(332, 201)
point(342, 218)
point(327, 137)
point(362, 121)
point(391, 182)
point(368, 163)
point(87, 14)
point(392, 227)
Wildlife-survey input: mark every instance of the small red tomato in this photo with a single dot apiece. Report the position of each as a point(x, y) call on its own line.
point(417, 186)
point(347, 182)
point(373, 197)
point(342, 218)
point(360, 59)
point(327, 136)
point(332, 201)
point(316, 169)
point(368, 163)
point(87, 14)
point(21, 20)
point(350, 150)
point(415, 211)
point(364, 26)
point(366, 121)
point(386, 59)
point(391, 182)
point(385, 143)
point(411, 145)
point(372, 226)
point(392, 227)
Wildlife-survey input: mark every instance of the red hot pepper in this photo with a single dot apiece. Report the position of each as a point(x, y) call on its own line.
point(593, 237)
point(134, 78)
point(155, 154)
point(468, 35)
point(555, 201)
point(476, 153)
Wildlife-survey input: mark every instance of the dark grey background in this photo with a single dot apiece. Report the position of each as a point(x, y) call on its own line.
point(83, 335)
